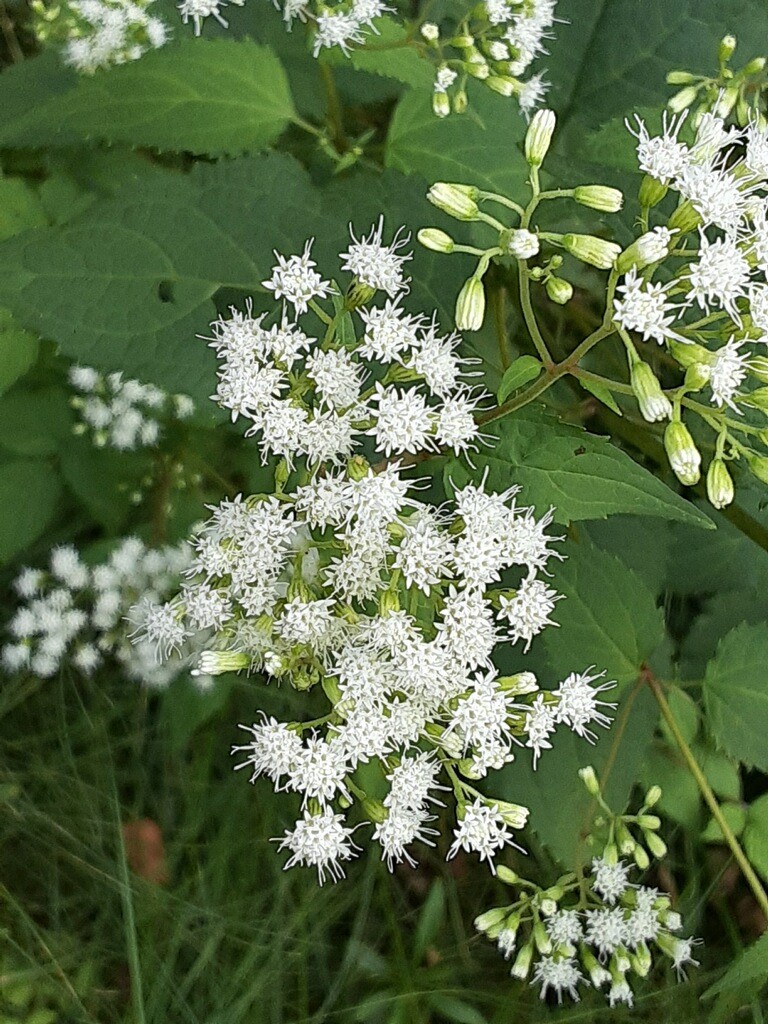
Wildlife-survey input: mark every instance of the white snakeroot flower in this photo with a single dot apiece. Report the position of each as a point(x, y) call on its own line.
point(756, 158)
point(523, 244)
point(322, 841)
point(482, 830)
point(715, 194)
point(366, 11)
point(559, 974)
point(610, 880)
point(161, 625)
point(729, 371)
point(389, 332)
point(403, 421)
point(532, 93)
point(425, 552)
point(644, 307)
point(620, 992)
point(444, 79)
point(540, 723)
point(377, 265)
point(337, 28)
point(197, 11)
point(295, 279)
point(564, 929)
point(662, 157)
point(720, 277)
point(67, 567)
point(529, 610)
point(579, 704)
point(319, 770)
point(274, 750)
point(606, 930)
point(498, 11)
point(758, 309)
point(337, 377)
point(456, 427)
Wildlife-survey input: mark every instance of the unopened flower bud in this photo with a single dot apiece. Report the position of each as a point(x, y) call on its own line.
point(684, 219)
point(441, 105)
point(680, 78)
point(597, 252)
point(648, 248)
point(519, 684)
point(651, 191)
point(624, 839)
point(502, 85)
point(697, 376)
point(522, 244)
point(599, 197)
point(598, 974)
point(719, 484)
point(726, 48)
point(683, 455)
point(611, 854)
point(640, 959)
point(436, 240)
point(640, 857)
point(430, 32)
point(507, 875)
point(522, 964)
point(477, 66)
point(541, 938)
point(456, 200)
point(358, 468)
point(462, 42)
point(216, 663)
point(688, 353)
point(683, 99)
point(374, 810)
point(470, 305)
point(759, 466)
point(654, 404)
point(649, 821)
point(559, 290)
point(490, 919)
point(548, 907)
point(726, 101)
point(653, 796)
point(515, 815)
point(459, 101)
point(754, 66)
point(539, 136)
point(655, 844)
point(589, 778)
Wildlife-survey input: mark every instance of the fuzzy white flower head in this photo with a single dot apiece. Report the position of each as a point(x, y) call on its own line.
point(729, 371)
point(322, 841)
point(561, 975)
point(337, 28)
point(197, 11)
point(482, 830)
point(376, 265)
point(644, 306)
point(529, 610)
point(532, 93)
point(295, 279)
point(662, 157)
point(720, 276)
point(403, 421)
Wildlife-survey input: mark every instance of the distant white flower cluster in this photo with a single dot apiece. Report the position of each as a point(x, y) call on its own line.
point(96, 34)
point(123, 413)
point(496, 43)
point(346, 583)
point(597, 932)
point(73, 613)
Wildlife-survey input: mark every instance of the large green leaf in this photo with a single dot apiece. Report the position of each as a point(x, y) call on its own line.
point(609, 616)
point(206, 96)
point(583, 476)
point(736, 694)
point(29, 495)
point(388, 53)
point(481, 147)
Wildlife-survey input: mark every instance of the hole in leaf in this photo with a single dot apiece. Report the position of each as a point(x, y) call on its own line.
point(165, 291)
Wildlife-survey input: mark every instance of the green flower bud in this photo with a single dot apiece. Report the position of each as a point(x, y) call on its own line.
point(641, 960)
point(519, 684)
point(655, 844)
point(477, 67)
point(599, 197)
point(648, 248)
point(216, 663)
point(598, 975)
point(651, 191)
point(548, 907)
point(684, 219)
point(719, 484)
point(436, 240)
point(624, 839)
point(490, 919)
point(459, 101)
point(559, 290)
point(759, 466)
point(649, 821)
point(331, 690)
point(611, 854)
point(541, 938)
point(754, 66)
point(726, 101)
point(688, 353)
point(470, 305)
point(374, 810)
point(683, 99)
point(515, 815)
point(654, 404)
point(507, 875)
point(640, 857)
point(441, 105)
point(358, 468)
point(726, 48)
point(522, 964)
point(358, 294)
point(683, 455)
point(502, 85)
point(697, 376)
point(680, 78)
point(653, 796)
point(462, 42)
point(456, 200)
point(539, 136)
point(589, 778)
point(597, 252)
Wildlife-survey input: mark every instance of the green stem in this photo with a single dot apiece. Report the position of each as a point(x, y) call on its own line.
point(333, 108)
point(709, 797)
point(498, 303)
point(606, 382)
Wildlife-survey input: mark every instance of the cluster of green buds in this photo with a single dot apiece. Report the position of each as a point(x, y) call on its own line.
point(495, 44)
point(519, 242)
point(598, 929)
point(741, 93)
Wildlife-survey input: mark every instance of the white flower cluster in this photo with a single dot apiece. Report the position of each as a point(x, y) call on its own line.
point(73, 614)
point(388, 608)
point(599, 929)
point(120, 413)
point(496, 43)
point(97, 34)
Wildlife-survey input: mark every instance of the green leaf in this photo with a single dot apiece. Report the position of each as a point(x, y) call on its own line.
point(205, 96)
point(431, 920)
point(522, 371)
point(20, 207)
point(104, 480)
point(643, 544)
point(35, 421)
point(750, 971)
point(456, 1010)
point(609, 615)
point(735, 817)
point(29, 496)
point(601, 393)
point(481, 147)
point(680, 798)
point(583, 476)
point(736, 694)
point(18, 350)
point(756, 835)
point(388, 53)
point(720, 771)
